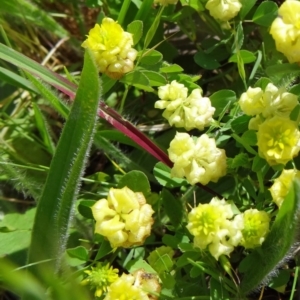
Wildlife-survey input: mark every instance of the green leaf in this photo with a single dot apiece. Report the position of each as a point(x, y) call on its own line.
point(136, 181)
point(35, 68)
point(162, 175)
point(196, 4)
point(277, 245)
point(206, 60)
point(16, 80)
point(240, 160)
point(246, 56)
point(136, 29)
point(250, 137)
point(258, 164)
point(171, 69)
point(152, 30)
point(43, 128)
point(151, 57)
point(220, 99)
point(141, 264)
point(137, 79)
point(104, 249)
point(280, 70)
point(79, 253)
point(84, 208)
point(247, 5)
point(155, 79)
point(55, 207)
point(161, 259)
point(173, 208)
point(262, 82)
point(265, 13)
point(240, 124)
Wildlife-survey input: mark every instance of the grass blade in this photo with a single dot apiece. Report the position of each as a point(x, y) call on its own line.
point(54, 210)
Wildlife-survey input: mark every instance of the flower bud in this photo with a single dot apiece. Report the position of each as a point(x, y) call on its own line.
point(223, 10)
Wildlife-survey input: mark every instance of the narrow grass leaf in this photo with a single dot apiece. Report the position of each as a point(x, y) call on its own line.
point(54, 210)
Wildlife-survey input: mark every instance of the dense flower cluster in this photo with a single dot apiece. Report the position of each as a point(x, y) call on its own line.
point(216, 229)
point(223, 10)
point(181, 110)
point(124, 218)
point(111, 46)
point(278, 136)
point(199, 160)
point(285, 30)
point(100, 278)
point(282, 185)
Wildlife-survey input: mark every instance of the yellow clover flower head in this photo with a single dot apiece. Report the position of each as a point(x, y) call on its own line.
point(285, 30)
point(111, 46)
point(223, 10)
point(124, 218)
point(190, 112)
point(214, 228)
point(256, 227)
point(100, 278)
point(278, 140)
point(198, 160)
point(271, 102)
point(124, 289)
point(282, 185)
point(165, 2)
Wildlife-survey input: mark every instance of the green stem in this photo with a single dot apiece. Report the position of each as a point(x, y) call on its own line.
point(124, 98)
point(123, 12)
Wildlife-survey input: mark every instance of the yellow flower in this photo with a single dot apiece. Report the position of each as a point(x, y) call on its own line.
point(278, 140)
point(124, 289)
point(190, 112)
point(256, 227)
point(285, 30)
point(282, 185)
point(111, 46)
point(271, 102)
point(223, 10)
point(213, 228)
point(198, 160)
point(165, 2)
point(100, 277)
point(124, 218)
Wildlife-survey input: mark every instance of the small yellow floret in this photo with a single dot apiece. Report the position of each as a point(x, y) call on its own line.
point(124, 218)
point(285, 30)
point(278, 140)
point(111, 46)
point(190, 112)
point(223, 10)
point(282, 185)
point(256, 227)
